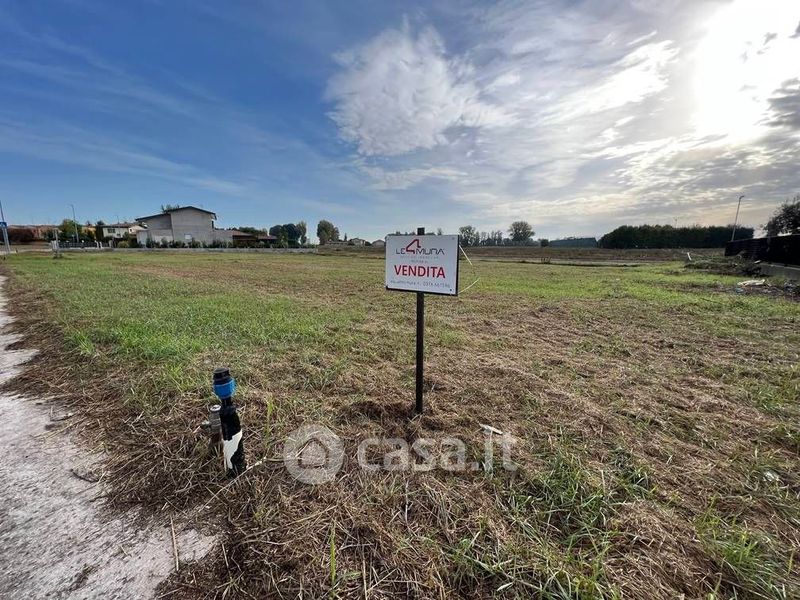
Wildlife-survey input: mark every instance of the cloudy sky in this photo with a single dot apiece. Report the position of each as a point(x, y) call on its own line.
point(577, 116)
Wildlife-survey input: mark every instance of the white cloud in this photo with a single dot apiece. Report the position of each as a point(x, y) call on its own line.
point(400, 92)
point(636, 76)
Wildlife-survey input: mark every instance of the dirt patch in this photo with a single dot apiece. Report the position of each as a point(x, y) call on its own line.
point(57, 537)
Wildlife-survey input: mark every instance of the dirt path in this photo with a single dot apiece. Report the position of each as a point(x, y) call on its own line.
point(56, 538)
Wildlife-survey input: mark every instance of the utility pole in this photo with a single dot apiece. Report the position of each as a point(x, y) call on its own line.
point(74, 222)
point(4, 227)
point(736, 220)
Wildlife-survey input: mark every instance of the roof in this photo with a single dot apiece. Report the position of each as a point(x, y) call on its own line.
point(172, 210)
point(119, 225)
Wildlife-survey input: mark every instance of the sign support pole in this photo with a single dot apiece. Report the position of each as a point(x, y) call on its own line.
point(422, 264)
point(420, 341)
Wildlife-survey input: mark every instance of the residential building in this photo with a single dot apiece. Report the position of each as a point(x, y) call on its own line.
point(379, 243)
point(231, 236)
point(241, 238)
point(357, 242)
point(267, 239)
point(118, 231)
point(186, 224)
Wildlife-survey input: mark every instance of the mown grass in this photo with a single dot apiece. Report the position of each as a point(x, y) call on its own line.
point(654, 413)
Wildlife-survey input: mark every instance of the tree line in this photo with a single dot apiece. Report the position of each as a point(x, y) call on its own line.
point(520, 233)
point(288, 235)
point(667, 236)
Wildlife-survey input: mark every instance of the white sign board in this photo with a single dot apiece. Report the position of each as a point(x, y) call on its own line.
point(422, 263)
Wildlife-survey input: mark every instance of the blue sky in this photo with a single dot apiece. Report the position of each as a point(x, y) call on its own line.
point(576, 116)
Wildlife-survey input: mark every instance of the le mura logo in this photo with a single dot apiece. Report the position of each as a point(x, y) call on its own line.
point(414, 248)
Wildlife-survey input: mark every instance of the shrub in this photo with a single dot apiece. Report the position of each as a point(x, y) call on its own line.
point(20, 235)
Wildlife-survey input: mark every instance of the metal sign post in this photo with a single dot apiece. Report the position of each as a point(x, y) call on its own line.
point(424, 264)
point(418, 406)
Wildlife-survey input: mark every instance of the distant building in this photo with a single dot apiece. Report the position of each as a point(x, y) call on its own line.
point(379, 243)
point(118, 231)
point(40, 232)
point(242, 238)
point(574, 242)
point(186, 224)
point(234, 236)
point(267, 239)
point(357, 242)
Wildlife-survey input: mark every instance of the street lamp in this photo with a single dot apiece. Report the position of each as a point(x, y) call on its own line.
point(74, 222)
point(736, 220)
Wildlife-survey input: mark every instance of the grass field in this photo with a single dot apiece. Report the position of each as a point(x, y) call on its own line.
point(536, 253)
point(654, 412)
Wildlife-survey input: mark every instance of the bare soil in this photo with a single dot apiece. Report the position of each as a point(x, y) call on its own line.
point(58, 539)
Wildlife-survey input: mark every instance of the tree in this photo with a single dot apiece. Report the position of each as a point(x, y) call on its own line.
point(302, 229)
point(169, 207)
point(469, 235)
point(544, 242)
point(439, 231)
point(521, 232)
point(785, 219)
point(326, 232)
point(68, 229)
point(252, 230)
point(292, 233)
point(279, 231)
point(98, 232)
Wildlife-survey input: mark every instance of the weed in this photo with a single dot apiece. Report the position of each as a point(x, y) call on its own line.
point(634, 479)
point(747, 563)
